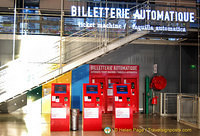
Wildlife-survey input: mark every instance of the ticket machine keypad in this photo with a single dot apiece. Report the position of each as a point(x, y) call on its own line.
point(92, 100)
point(123, 99)
point(97, 99)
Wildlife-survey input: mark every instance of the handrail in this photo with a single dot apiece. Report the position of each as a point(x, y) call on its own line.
point(190, 96)
point(86, 33)
point(79, 55)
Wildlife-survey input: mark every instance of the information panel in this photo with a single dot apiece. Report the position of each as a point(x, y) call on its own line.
point(122, 112)
point(58, 113)
point(91, 112)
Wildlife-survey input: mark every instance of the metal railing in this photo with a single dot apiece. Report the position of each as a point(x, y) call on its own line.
point(167, 104)
point(188, 110)
point(25, 73)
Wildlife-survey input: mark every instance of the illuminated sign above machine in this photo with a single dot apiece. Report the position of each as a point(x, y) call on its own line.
point(169, 20)
point(124, 13)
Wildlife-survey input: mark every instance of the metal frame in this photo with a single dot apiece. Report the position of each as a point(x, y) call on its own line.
point(180, 97)
point(163, 105)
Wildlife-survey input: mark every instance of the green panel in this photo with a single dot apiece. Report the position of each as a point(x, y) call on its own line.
point(148, 94)
point(35, 93)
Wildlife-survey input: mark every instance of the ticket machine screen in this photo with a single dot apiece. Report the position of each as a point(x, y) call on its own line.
point(92, 89)
point(60, 89)
point(121, 89)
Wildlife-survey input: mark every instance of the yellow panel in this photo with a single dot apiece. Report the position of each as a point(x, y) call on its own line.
point(46, 90)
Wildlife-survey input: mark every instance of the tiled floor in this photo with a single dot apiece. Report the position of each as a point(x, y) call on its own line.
point(39, 125)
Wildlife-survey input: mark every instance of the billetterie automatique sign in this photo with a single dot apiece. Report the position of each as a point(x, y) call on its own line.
point(125, 13)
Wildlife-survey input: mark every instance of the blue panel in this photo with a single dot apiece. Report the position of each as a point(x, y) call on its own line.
point(80, 75)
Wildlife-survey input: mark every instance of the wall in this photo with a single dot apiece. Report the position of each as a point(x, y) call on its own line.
point(167, 58)
point(7, 3)
point(189, 76)
point(80, 75)
point(50, 4)
point(56, 4)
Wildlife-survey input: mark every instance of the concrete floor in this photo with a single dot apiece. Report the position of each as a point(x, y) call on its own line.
point(16, 124)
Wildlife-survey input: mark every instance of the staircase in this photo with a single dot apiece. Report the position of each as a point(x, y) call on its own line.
point(20, 77)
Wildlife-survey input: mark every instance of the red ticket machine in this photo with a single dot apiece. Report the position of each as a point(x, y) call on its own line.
point(60, 107)
point(92, 107)
point(123, 101)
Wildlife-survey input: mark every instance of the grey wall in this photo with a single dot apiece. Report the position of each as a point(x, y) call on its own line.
point(189, 76)
point(167, 58)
